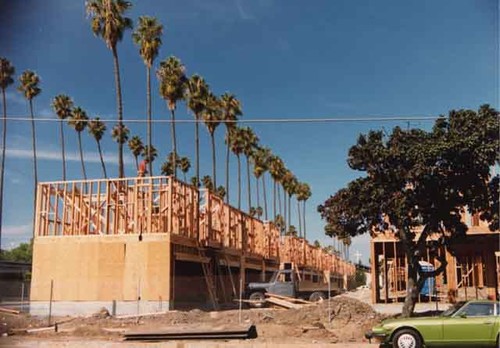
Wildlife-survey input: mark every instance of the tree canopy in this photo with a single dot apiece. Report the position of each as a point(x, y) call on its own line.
point(418, 178)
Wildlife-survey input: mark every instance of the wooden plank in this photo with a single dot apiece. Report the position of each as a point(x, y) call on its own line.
point(289, 299)
point(283, 303)
point(191, 258)
point(8, 310)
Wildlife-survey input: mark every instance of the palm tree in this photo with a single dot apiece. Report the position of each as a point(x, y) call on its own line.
point(62, 105)
point(150, 154)
point(276, 169)
point(172, 88)
point(120, 134)
point(303, 195)
point(211, 116)
point(97, 128)
point(148, 37)
point(78, 120)
point(29, 87)
point(208, 183)
point(231, 109)
point(250, 141)
point(285, 183)
point(185, 165)
point(262, 156)
point(7, 71)
point(197, 95)
point(109, 23)
point(237, 143)
point(136, 147)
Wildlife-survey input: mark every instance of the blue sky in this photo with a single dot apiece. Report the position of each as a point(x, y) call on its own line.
point(283, 59)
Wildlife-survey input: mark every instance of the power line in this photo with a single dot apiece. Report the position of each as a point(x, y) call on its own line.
point(344, 119)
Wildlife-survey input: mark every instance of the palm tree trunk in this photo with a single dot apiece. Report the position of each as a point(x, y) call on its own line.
point(35, 172)
point(81, 155)
point(102, 159)
point(284, 210)
point(304, 219)
point(174, 141)
point(197, 150)
point(227, 167)
point(121, 169)
point(264, 193)
point(289, 210)
point(239, 182)
point(214, 172)
point(300, 222)
point(136, 164)
point(248, 186)
point(148, 100)
point(61, 131)
point(258, 198)
point(279, 199)
point(185, 179)
point(274, 199)
point(2, 169)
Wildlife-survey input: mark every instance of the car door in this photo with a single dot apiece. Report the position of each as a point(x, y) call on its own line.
point(283, 284)
point(472, 325)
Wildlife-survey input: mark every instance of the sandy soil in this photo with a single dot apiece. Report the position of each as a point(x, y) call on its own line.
point(342, 320)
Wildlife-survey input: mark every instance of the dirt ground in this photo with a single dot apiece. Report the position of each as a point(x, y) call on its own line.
point(311, 324)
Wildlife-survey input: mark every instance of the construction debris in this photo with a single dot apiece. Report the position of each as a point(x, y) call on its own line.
point(198, 333)
point(8, 310)
point(283, 303)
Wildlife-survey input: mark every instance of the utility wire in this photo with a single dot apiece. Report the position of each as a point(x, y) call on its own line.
point(255, 120)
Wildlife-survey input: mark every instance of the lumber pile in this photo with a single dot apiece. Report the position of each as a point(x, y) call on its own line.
point(286, 302)
point(193, 333)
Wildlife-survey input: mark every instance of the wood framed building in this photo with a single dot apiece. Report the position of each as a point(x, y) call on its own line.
point(146, 241)
point(472, 272)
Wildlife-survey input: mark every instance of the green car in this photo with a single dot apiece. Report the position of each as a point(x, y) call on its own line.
point(466, 324)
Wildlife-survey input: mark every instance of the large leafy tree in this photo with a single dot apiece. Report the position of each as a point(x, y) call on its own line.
point(7, 71)
point(148, 37)
point(231, 109)
point(172, 88)
point(109, 22)
point(416, 178)
point(97, 128)
point(62, 106)
point(212, 116)
point(78, 121)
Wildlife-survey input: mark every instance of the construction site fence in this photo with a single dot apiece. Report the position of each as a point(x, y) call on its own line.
point(148, 205)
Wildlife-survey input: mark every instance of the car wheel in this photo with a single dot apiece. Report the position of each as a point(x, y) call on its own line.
point(317, 296)
point(259, 297)
point(406, 338)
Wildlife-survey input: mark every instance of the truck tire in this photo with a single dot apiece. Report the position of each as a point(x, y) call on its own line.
point(317, 296)
point(257, 296)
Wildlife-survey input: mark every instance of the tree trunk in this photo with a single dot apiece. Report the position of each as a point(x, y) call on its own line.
point(197, 150)
point(274, 199)
point(2, 169)
point(35, 172)
point(81, 155)
point(304, 219)
point(279, 199)
point(300, 221)
point(239, 182)
point(264, 194)
point(411, 289)
point(214, 163)
point(227, 167)
point(174, 141)
point(121, 169)
point(285, 219)
point(289, 210)
point(102, 159)
point(136, 164)
point(61, 131)
point(258, 198)
point(148, 96)
point(248, 185)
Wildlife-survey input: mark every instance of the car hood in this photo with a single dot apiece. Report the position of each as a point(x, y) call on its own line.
point(394, 322)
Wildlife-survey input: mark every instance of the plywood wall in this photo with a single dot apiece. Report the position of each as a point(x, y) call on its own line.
point(101, 268)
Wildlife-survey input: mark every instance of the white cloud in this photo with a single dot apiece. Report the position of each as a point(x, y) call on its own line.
point(55, 155)
point(17, 230)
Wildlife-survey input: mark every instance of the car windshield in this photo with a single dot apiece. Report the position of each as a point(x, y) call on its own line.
point(450, 311)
